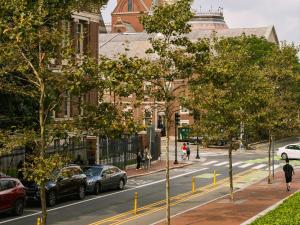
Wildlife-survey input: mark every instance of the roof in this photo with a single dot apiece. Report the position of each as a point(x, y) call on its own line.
point(135, 44)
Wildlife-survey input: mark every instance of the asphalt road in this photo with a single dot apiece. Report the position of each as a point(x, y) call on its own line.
point(151, 188)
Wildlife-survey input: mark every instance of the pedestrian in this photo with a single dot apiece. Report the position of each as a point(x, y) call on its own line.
point(138, 160)
point(288, 172)
point(147, 157)
point(78, 161)
point(183, 151)
point(188, 151)
point(20, 168)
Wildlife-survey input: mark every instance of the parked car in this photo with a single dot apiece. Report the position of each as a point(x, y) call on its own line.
point(101, 178)
point(68, 181)
point(291, 151)
point(12, 195)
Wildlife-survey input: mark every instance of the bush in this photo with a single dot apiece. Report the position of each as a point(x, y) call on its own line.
point(288, 213)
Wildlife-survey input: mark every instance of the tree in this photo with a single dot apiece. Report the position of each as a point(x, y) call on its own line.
point(280, 68)
point(229, 90)
point(31, 36)
point(171, 65)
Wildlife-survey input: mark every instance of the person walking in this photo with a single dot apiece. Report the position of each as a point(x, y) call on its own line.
point(183, 151)
point(188, 151)
point(138, 160)
point(288, 173)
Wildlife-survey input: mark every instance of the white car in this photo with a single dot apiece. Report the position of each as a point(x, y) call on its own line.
point(291, 151)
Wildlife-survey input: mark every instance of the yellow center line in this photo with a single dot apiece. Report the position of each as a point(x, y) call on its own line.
point(150, 208)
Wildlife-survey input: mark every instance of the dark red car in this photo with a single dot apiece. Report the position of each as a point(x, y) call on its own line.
point(12, 195)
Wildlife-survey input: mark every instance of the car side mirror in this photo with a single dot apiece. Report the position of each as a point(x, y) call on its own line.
point(103, 175)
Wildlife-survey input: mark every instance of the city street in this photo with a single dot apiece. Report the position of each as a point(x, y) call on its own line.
point(150, 188)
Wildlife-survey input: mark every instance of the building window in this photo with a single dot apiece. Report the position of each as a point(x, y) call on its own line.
point(66, 104)
point(129, 5)
point(66, 33)
point(183, 110)
point(56, 143)
point(79, 38)
point(184, 123)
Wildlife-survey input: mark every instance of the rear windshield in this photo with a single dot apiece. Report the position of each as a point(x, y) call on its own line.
point(92, 171)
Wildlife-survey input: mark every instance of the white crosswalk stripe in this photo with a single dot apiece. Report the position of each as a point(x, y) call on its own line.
point(246, 165)
point(209, 163)
point(259, 166)
point(236, 163)
point(221, 164)
point(275, 167)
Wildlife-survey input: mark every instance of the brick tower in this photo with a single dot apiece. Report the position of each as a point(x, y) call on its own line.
point(125, 16)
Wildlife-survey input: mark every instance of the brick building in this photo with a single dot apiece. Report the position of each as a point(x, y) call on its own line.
point(203, 25)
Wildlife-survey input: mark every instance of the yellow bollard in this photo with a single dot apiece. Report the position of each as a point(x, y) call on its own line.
point(193, 184)
point(215, 178)
point(38, 222)
point(135, 202)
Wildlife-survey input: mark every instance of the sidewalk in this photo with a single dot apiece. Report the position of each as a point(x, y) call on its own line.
point(156, 166)
point(249, 202)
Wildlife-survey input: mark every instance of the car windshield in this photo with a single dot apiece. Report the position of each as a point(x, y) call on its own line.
point(92, 171)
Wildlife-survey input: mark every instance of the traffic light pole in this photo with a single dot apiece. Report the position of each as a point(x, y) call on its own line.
point(176, 161)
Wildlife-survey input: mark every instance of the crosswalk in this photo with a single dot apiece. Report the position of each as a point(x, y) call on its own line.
point(240, 164)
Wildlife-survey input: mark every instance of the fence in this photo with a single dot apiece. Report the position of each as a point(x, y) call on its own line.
point(119, 152)
point(10, 161)
point(123, 152)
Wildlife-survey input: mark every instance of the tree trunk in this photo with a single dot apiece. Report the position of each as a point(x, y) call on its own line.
point(42, 149)
point(230, 171)
point(269, 158)
point(168, 216)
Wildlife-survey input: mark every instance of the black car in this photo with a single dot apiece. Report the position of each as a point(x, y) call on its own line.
point(101, 178)
point(68, 181)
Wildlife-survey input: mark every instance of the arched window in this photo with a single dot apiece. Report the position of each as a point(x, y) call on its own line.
point(129, 5)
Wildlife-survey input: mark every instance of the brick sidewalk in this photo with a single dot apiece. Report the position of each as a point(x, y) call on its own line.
point(248, 203)
point(156, 166)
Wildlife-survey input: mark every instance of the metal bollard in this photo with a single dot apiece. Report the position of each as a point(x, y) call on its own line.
point(193, 184)
point(38, 222)
point(135, 202)
point(215, 178)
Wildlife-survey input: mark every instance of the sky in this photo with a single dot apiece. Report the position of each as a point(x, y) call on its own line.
point(283, 14)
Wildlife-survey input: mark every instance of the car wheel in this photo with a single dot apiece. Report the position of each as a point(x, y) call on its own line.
point(97, 189)
point(284, 156)
point(19, 207)
point(51, 198)
point(121, 184)
point(81, 192)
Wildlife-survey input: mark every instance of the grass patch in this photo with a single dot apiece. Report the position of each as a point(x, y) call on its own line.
point(288, 213)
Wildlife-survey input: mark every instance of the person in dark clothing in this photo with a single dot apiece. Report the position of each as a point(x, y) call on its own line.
point(138, 160)
point(78, 161)
point(188, 150)
point(288, 173)
point(20, 167)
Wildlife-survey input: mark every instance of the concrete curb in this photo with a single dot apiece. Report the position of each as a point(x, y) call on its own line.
point(160, 170)
point(249, 221)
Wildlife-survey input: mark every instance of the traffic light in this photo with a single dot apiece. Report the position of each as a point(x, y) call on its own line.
point(177, 119)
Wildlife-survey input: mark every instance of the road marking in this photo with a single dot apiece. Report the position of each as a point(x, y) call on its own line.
point(102, 196)
point(259, 166)
point(209, 163)
point(275, 167)
point(246, 165)
point(221, 164)
point(237, 163)
point(121, 218)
